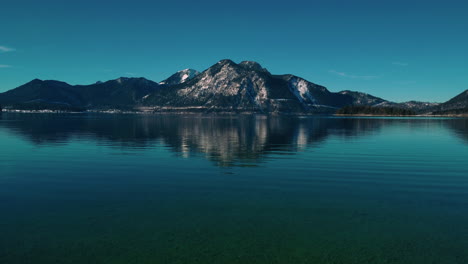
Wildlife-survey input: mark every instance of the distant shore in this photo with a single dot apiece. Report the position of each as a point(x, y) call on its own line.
point(116, 111)
point(422, 115)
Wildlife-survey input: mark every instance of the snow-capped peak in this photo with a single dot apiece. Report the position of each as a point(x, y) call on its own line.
point(180, 77)
point(187, 74)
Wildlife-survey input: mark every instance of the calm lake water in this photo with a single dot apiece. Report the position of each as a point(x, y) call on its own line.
point(232, 189)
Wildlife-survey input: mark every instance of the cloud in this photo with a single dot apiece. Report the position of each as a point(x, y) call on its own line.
point(5, 66)
point(399, 63)
point(5, 49)
point(352, 76)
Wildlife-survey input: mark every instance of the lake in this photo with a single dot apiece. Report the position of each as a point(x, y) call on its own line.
point(108, 188)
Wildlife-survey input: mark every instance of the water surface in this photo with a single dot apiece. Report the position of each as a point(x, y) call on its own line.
point(232, 189)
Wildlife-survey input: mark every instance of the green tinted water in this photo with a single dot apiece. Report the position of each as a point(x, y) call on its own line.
point(239, 189)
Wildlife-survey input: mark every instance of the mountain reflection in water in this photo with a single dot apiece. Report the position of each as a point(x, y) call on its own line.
point(243, 140)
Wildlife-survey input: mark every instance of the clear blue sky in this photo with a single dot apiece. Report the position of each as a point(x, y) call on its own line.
point(398, 50)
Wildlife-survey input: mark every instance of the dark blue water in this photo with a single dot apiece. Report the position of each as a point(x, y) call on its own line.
point(232, 189)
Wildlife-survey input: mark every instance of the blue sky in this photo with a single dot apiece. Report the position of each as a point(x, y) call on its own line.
point(398, 50)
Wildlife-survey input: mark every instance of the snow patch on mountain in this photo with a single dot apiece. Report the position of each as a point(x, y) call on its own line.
point(300, 88)
point(187, 74)
point(180, 77)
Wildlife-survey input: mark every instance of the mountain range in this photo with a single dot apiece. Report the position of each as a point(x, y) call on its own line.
point(226, 86)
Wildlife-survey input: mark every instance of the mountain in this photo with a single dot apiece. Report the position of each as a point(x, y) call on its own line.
point(369, 100)
point(458, 102)
point(456, 105)
point(359, 98)
point(416, 106)
point(180, 77)
point(53, 92)
point(248, 87)
point(226, 86)
point(120, 93)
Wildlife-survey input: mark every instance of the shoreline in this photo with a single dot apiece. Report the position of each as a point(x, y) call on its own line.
point(115, 111)
point(422, 115)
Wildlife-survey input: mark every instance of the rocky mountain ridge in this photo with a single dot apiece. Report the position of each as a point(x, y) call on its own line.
point(244, 87)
